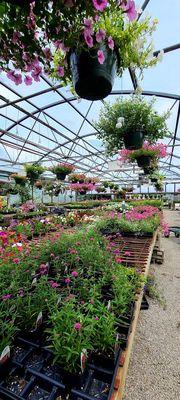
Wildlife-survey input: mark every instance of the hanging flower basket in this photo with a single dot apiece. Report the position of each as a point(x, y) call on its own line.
point(61, 176)
point(61, 170)
point(144, 161)
point(93, 72)
point(146, 157)
point(42, 37)
point(133, 140)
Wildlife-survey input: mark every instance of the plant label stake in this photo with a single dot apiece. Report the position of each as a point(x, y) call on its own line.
point(5, 355)
point(39, 320)
point(83, 359)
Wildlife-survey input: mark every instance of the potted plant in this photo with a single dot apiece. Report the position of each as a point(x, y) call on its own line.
point(19, 179)
point(100, 189)
point(137, 121)
point(156, 177)
point(82, 188)
point(159, 186)
point(84, 42)
point(33, 173)
point(146, 157)
point(75, 178)
point(61, 170)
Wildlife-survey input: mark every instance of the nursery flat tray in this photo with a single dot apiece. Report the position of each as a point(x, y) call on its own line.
point(124, 359)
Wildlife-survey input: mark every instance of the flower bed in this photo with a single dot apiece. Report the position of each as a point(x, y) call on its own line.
point(74, 281)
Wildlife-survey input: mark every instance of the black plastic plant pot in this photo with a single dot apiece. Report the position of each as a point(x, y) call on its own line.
point(61, 176)
point(83, 192)
point(144, 161)
point(133, 140)
point(92, 80)
point(154, 180)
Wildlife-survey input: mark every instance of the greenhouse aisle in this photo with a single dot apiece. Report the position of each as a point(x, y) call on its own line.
point(154, 371)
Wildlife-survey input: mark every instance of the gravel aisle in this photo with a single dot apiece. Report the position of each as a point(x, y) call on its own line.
point(154, 370)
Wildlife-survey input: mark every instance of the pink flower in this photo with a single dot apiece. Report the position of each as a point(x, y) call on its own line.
point(100, 35)
point(74, 274)
point(67, 280)
point(101, 57)
point(72, 251)
point(118, 260)
point(110, 43)
point(60, 71)
point(88, 25)
point(88, 38)
point(16, 260)
point(97, 318)
point(78, 244)
point(130, 9)
point(36, 73)
point(53, 284)
point(28, 80)
point(77, 326)
point(100, 5)
point(127, 253)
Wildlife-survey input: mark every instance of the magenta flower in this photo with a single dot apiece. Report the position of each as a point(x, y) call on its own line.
point(53, 284)
point(6, 296)
point(118, 260)
point(60, 71)
point(16, 260)
point(127, 253)
point(130, 9)
point(88, 38)
point(101, 57)
point(74, 274)
point(67, 280)
point(110, 43)
point(36, 73)
point(72, 251)
point(77, 326)
point(100, 5)
point(28, 80)
point(97, 318)
point(100, 35)
point(88, 25)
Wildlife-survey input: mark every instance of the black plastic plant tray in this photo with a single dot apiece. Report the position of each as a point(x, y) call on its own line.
point(31, 375)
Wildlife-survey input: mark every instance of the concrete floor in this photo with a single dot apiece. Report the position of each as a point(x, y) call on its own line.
point(154, 370)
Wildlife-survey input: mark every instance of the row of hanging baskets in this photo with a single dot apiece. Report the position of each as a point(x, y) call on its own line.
point(84, 43)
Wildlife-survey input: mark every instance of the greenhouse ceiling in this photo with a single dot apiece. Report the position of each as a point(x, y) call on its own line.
point(45, 123)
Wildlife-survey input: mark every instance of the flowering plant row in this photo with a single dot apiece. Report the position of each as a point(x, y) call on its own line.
point(38, 36)
point(78, 308)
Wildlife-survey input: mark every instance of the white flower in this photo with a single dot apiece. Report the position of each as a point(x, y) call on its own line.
point(120, 122)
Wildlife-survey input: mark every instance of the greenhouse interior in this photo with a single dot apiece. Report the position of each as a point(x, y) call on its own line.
point(89, 200)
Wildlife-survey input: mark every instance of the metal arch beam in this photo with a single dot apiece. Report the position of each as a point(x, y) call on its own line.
point(31, 115)
point(175, 132)
point(25, 98)
point(167, 49)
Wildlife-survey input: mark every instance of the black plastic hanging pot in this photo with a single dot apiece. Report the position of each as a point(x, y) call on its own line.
point(133, 140)
point(61, 176)
point(144, 161)
point(82, 192)
point(92, 80)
